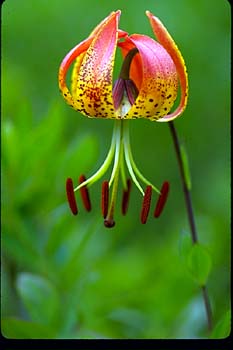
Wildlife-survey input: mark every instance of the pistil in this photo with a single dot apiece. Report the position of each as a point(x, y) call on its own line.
point(109, 221)
point(105, 198)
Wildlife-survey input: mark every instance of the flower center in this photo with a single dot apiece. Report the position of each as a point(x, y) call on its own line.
point(124, 95)
point(125, 91)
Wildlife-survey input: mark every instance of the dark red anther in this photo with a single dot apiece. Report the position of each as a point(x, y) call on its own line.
point(162, 199)
point(85, 194)
point(70, 196)
point(104, 198)
point(146, 204)
point(125, 198)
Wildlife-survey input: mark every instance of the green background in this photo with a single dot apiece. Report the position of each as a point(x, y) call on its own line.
point(69, 277)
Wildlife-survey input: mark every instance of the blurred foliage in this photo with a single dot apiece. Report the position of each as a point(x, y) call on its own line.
point(69, 277)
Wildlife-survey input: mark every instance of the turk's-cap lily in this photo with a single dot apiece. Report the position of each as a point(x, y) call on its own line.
point(147, 87)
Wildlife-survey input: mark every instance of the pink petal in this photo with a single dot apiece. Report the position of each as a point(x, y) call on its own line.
point(91, 91)
point(168, 43)
point(159, 83)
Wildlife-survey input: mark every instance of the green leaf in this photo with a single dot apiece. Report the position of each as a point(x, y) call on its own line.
point(199, 263)
point(223, 327)
point(40, 298)
point(13, 328)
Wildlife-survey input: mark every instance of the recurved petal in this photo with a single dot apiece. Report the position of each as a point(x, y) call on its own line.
point(121, 33)
point(159, 82)
point(92, 90)
point(76, 53)
point(168, 43)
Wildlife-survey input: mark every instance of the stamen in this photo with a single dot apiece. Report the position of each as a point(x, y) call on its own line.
point(146, 204)
point(125, 198)
point(85, 194)
point(162, 199)
point(133, 170)
point(70, 196)
point(104, 198)
point(106, 164)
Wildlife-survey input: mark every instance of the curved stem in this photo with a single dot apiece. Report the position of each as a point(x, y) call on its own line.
point(124, 73)
point(132, 165)
point(104, 167)
point(128, 159)
point(189, 207)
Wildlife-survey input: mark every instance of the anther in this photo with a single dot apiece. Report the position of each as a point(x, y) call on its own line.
point(162, 199)
point(104, 198)
point(125, 198)
point(146, 204)
point(70, 196)
point(85, 194)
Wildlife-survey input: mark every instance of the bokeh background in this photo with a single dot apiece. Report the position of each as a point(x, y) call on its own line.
point(69, 277)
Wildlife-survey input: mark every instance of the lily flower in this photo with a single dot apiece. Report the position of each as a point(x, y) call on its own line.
point(147, 87)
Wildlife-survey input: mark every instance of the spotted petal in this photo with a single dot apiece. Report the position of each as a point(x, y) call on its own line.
point(168, 43)
point(91, 91)
point(75, 53)
point(158, 82)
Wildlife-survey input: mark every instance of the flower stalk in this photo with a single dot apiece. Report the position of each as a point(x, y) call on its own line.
point(189, 207)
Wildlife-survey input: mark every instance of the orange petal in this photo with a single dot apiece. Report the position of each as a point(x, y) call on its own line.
point(93, 75)
point(168, 43)
point(159, 82)
point(91, 88)
point(65, 65)
point(136, 65)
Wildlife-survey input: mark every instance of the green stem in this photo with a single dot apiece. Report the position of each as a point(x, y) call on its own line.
point(133, 169)
point(122, 169)
point(128, 158)
point(116, 169)
point(189, 207)
point(118, 127)
point(104, 167)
